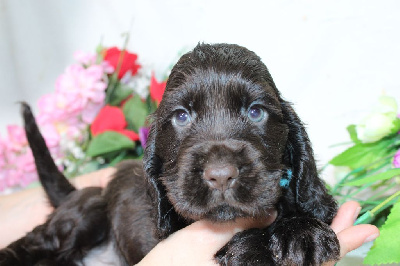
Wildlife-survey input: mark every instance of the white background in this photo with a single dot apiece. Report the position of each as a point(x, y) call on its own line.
point(332, 59)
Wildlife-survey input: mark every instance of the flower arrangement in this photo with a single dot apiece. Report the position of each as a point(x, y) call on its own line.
point(373, 163)
point(95, 117)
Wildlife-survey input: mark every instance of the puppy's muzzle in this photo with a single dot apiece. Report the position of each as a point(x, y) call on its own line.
point(221, 176)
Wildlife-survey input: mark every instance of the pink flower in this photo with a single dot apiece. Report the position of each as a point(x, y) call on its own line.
point(396, 159)
point(50, 134)
point(17, 165)
point(79, 96)
point(107, 67)
point(91, 111)
point(88, 59)
point(58, 106)
point(85, 58)
point(83, 83)
point(16, 138)
point(2, 154)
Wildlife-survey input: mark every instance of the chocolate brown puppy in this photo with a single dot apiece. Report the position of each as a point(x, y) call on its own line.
point(223, 144)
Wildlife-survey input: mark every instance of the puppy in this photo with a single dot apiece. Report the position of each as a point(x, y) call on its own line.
point(223, 144)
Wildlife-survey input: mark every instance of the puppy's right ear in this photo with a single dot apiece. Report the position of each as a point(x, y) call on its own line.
point(167, 219)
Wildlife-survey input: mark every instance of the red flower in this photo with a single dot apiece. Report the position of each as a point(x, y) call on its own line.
point(128, 61)
point(156, 89)
point(111, 118)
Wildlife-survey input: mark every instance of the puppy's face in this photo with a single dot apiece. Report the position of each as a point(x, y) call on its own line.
point(220, 138)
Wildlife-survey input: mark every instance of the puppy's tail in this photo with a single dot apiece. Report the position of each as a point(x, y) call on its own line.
point(55, 184)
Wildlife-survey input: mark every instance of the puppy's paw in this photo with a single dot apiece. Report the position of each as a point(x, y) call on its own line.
point(246, 248)
point(294, 241)
point(303, 241)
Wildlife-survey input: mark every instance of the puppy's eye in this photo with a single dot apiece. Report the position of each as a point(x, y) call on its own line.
point(256, 114)
point(181, 118)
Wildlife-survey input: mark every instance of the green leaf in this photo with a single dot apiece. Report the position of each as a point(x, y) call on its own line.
point(353, 133)
point(373, 178)
point(363, 154)
point(108, 141)
point(135, 112)
point(386, 248)
point(120, 93)
point(396, 126)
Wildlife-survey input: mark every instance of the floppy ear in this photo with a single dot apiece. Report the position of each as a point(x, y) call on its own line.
point(168, 221)
point(307, 189)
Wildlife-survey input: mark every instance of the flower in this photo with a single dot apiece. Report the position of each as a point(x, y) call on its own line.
point(111, 118)
point(139, 82)
point(85, 58)
point(143, 135)
point(380, 122)
point(396, 159)
point(16, 138)
point(123, 59)
point(81, 85)
point(17, 166)
point(89, 97)
point(157, 89)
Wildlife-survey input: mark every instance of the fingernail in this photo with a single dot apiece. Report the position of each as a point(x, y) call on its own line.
point(356, 213)
point(371, 237)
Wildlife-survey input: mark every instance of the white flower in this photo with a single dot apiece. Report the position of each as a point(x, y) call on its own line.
point(379, 123)
point(139, 82)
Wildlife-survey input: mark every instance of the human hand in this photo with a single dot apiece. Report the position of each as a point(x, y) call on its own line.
point(351, 236)
point(22, 211)
point(197, 243)
point(99, 178)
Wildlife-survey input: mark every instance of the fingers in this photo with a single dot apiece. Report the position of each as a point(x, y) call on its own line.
point(99, 178)
point(197, 243)
point(346, 216)
point(354, 236)
point(351, 237)
point(192, 245)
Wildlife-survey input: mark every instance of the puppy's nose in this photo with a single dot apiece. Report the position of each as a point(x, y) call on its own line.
point(221, 177)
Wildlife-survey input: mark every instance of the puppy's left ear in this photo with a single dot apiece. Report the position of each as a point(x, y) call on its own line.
point(167, 219)
point(305, 188)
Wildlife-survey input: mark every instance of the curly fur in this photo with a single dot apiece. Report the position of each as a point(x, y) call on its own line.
point(216, 86)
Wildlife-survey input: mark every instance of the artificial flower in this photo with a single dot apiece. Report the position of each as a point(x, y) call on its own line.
point(90, 112)
point(396, 159)
point(139, 83)
point(16, 138)
point(85, 58)
point(2, 153)
point(380, 122)
point(80, 104)
point(156, 89)
point(111, 118)
point(125, 60)
point(82, 84)
point(17, 165)
point(143, 135)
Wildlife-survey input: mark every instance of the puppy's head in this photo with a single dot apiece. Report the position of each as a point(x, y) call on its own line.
point(220, 141)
